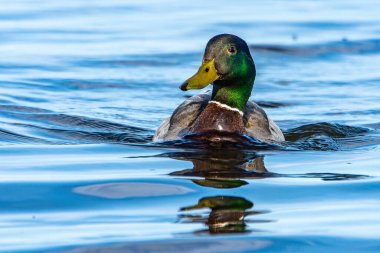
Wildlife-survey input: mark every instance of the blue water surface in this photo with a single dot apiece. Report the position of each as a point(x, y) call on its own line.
point(84, 85)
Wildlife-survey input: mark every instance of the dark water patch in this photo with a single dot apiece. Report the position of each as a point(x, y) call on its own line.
point(324, 128)
point(342, 47)
point(327, 24)
point(271, 104)
point(361, 112)
point(93, 136)
point(374, 125)
point(332, 176)
point(368, 141)
point(7, 137)
point(371, 83)
point(22, 109)
point(57, 85)
point(76, 84)
point(143, 60)
point(322, 136)
point(71, 122)
point(95, 84)
point(6, 101)
point(302, 24)
point(317, 142)
point(16, 68)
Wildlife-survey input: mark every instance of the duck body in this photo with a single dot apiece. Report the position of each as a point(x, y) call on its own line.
point(199, 115)
point(225, 114)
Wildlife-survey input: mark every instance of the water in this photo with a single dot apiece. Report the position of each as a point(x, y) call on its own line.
point(84, 85)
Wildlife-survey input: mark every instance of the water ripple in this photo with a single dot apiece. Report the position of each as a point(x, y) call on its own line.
point(342, 47)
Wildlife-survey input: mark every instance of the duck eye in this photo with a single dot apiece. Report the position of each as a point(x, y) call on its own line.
point(232, 50)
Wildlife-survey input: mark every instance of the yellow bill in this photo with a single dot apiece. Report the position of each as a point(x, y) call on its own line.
point(205, 75)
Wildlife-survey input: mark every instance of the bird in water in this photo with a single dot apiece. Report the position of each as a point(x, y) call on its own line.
point(225, 114)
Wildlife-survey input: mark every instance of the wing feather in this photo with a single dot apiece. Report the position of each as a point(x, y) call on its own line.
point(259, 125)
point(176, 125)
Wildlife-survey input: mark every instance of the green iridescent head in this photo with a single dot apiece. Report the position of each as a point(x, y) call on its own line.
point(228, 65)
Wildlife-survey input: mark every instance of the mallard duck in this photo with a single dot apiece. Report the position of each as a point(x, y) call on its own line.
point(228, 65)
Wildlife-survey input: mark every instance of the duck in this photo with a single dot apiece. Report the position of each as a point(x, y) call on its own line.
point(225, 112)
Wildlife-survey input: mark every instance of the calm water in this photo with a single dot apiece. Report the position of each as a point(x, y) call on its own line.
point(84, 85)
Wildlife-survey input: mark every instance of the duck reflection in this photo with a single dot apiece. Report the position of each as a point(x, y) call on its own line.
point(222, 169)
point(227, 214)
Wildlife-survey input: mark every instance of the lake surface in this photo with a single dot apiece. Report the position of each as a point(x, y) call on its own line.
point(84, 85)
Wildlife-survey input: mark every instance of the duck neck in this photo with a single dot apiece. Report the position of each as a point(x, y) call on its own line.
point(234, 95)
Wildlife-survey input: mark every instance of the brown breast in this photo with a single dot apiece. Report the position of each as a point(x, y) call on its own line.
point(217, 117)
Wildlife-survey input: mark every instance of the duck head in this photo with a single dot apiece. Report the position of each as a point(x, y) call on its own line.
point(228, 65)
